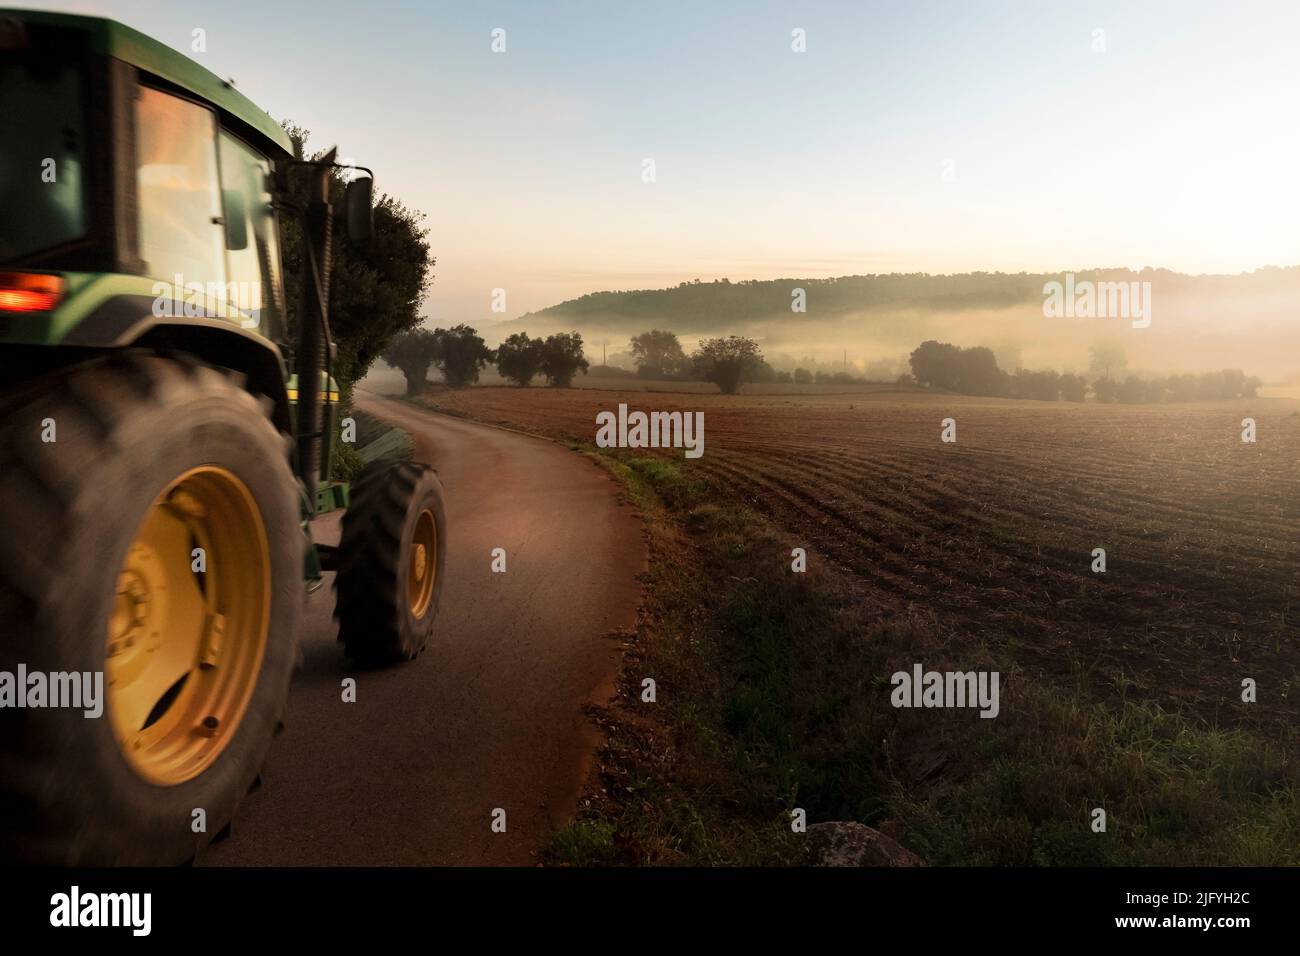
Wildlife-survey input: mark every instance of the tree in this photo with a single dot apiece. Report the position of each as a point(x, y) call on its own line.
point(972, 371)
point(978, 373)
point(1106, 390)
point(413, 351)
point(1155, 390)
point(933, 364)
point(461, 354)
point(1107, 359)
point(1041, 386)
point(1209, 387)
point(376, 288)
point(1131, 391)
point(1074, 388)
point(802, 376)
point(561, 358)
point(519, 358)
point(1182, 388)
point(727, 362)
point(763, 372)
point(1237, 385)
point(657, 354)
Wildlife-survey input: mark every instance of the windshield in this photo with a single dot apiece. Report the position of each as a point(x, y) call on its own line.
point(43, 163)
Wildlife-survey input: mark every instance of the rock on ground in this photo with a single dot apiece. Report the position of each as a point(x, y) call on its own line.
point(856, 844)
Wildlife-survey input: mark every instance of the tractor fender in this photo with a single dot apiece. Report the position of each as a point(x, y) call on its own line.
point(128, 321)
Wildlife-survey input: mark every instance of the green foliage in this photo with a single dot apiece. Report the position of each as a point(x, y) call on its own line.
point(347, 463)
point(1042, 386)
point(1207, 387)
point(1131, 391)
point(413, 351)
point(972, 371)
point(376, 288)
point(1074, 388)
point(561, 358)
point(761, 371)
point(728, 362)
point(519, 358)
point(462, 353)
point(1175, 791)
point(658, 353)
point(586, 842)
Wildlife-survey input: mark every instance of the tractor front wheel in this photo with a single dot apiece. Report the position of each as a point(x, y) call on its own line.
point(391, 562)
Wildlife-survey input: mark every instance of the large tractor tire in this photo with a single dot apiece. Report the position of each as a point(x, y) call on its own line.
point(391, 562)
point(149, 532)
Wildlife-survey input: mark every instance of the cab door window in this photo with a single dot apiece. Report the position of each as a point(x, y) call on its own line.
point(253, 248)
point(180, 210)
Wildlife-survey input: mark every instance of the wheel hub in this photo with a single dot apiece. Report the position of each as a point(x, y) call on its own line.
point(422, 567)
point(186, 638)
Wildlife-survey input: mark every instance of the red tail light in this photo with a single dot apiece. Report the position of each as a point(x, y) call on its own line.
point(27, 292)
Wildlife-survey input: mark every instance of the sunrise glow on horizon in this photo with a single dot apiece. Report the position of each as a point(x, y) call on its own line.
point(927, 138)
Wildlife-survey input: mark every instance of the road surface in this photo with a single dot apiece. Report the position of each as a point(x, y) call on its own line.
point(492, 714)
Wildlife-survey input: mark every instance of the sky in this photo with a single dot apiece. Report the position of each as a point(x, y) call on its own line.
point(909, 137)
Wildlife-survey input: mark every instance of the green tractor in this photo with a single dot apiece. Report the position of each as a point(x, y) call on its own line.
point(164, 448)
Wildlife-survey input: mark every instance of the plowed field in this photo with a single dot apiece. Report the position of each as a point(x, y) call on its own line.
point(994, 534)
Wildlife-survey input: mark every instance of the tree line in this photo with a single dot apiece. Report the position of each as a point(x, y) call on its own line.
point(727, 362)
point(974, 371)
point(460, 354)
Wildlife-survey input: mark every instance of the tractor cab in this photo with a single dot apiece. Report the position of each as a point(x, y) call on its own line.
point(142, 201)
point(120, 157)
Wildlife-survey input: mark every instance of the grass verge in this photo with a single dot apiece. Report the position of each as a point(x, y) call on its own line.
point(772, 692)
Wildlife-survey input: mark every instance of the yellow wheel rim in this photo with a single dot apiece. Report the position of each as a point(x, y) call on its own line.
point(422, 566)
point(188, 626)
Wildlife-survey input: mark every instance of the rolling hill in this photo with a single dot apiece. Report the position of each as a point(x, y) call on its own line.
point(1198, 321)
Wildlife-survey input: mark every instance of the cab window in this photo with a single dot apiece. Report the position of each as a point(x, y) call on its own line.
point(180, 224)
point(253, 249)
point(42, 156)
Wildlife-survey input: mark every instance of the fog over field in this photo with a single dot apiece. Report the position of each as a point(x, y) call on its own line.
point(1196, 323)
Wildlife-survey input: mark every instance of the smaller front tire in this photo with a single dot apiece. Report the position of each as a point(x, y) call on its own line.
point(391, 557)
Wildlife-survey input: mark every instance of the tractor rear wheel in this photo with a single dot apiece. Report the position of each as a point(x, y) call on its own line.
point(391, 560)
point(149, 534)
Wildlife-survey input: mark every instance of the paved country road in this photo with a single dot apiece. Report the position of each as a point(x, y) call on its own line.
point(492, 714)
